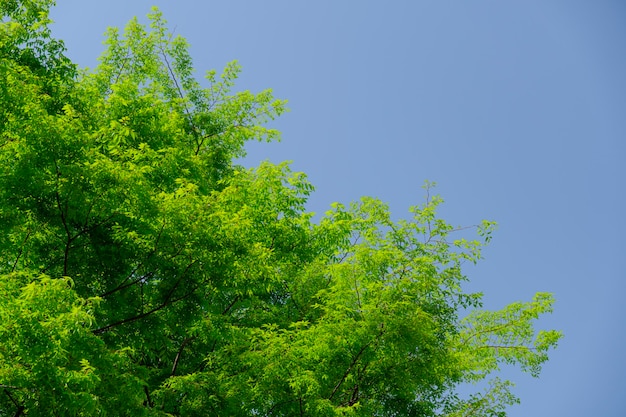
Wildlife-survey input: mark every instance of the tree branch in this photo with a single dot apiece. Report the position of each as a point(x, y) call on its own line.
point(345, 374)
point(19, 255)
point(180, 351)
point(123, 284)
point(166, 302)
point(20, 408)
point(354, 362)
point(227, 309)
point(148, 401)
point(194, 129)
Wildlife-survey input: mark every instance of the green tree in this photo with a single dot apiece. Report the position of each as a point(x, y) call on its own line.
point(143, 272)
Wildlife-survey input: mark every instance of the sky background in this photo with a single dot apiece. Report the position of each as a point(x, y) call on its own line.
point(517, 109)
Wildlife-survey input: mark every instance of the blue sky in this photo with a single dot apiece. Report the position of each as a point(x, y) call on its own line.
point(516, 109)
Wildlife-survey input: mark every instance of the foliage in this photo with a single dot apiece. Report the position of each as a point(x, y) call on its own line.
point(143, 272)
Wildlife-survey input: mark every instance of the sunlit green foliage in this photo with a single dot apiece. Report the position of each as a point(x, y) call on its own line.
point(143, 272)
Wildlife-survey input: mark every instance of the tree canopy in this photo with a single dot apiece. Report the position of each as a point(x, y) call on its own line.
point(144, 272)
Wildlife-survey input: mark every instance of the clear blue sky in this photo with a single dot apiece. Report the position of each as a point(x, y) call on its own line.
point(517, 109)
